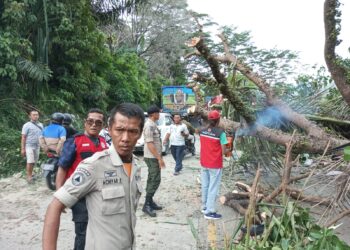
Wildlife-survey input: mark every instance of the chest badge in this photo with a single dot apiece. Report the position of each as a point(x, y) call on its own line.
point(110, 173)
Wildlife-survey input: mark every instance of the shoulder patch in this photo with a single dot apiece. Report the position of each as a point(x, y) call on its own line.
point(96, 156)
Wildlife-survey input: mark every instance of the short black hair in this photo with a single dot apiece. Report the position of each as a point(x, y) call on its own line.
point(32, 110)
point(153, 109)
point(95, 110)
point(129, 110)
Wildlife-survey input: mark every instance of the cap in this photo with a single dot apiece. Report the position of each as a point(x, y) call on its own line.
point(214, 115)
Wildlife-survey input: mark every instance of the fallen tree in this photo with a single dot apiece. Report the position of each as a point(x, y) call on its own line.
point(239, 200)
point(309, 137)
point(313, 140)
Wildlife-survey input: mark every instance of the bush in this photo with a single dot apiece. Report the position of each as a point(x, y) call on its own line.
point(11, 160)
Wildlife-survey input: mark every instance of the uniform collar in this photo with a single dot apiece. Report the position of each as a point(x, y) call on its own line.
point(115, 158)
point(153, 122)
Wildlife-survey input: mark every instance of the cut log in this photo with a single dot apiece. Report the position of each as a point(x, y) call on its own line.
point(298, 195)
point(235, 195)
point(243, 186)
point(239, 205)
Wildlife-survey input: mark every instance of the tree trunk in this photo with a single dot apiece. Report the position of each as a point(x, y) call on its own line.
point(336, 67)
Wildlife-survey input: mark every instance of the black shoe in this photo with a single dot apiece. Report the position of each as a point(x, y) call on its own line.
point(147, 209)
point(154, 206)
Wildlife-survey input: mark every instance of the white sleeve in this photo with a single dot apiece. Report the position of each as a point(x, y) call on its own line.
point(25, 129)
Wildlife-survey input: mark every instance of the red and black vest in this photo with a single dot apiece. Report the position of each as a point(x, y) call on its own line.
point(211, 150)
point(84, 149)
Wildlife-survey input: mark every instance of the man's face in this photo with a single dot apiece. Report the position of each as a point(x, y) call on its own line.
point(125, 132)
point(177, 119)
point(155, 116)
point(93, 124)
point(34, 116)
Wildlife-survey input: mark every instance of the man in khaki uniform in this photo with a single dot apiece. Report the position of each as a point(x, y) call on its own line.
point(153, 158)
point(111, 183)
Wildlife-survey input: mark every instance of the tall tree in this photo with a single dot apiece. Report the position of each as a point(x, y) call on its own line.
point(156, 30)
point(337, 66)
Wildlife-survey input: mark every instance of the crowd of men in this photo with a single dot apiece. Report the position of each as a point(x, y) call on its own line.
point(101, 181)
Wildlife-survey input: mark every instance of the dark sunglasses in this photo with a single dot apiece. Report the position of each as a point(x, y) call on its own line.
point(90, 122)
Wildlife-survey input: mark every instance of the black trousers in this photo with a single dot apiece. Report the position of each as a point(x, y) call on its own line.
point(80, 218)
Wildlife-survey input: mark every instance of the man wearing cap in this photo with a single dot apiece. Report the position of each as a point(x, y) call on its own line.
point(212, 141)
point(153, 157)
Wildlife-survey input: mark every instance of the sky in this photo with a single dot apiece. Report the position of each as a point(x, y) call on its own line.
point(296, 25)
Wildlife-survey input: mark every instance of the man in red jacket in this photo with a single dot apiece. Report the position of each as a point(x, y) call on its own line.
point(76, 149)
point(212, 141)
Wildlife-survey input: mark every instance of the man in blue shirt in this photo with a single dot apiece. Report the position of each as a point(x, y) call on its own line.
point(54, 135)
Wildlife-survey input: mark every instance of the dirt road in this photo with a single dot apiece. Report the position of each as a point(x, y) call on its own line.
point(22, 210)
point(179, 226)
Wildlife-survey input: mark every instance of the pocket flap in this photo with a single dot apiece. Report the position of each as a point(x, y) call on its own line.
point(111, 193)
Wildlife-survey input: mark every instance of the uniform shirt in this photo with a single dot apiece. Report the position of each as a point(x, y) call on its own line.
point(176, 138)
point(111, 199)
point(32, 131)
point(151, 133)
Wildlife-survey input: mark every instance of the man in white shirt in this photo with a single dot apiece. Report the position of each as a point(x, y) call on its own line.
point(177, 134)
point(30, 148)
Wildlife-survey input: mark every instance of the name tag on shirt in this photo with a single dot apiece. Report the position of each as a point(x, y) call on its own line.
point(85, 145)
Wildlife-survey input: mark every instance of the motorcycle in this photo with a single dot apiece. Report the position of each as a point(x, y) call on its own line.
point(50, 167)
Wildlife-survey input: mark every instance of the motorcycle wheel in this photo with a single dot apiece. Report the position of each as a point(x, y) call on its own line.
point(51, 180)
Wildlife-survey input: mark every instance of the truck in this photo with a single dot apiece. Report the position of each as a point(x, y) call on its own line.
point(177, 99)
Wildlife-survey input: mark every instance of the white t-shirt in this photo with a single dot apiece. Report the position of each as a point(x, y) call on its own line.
point(176, 138)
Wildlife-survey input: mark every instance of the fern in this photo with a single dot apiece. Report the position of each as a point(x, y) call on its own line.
point(35, 70)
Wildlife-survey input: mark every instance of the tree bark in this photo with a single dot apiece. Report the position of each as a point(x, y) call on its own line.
point(338, 70)
point(298, 195)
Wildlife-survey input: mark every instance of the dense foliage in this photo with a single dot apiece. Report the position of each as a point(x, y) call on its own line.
point(55, 56)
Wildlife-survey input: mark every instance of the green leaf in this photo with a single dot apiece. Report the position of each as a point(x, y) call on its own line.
point(285, 244)
point(276, 248)
point(316, 235)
